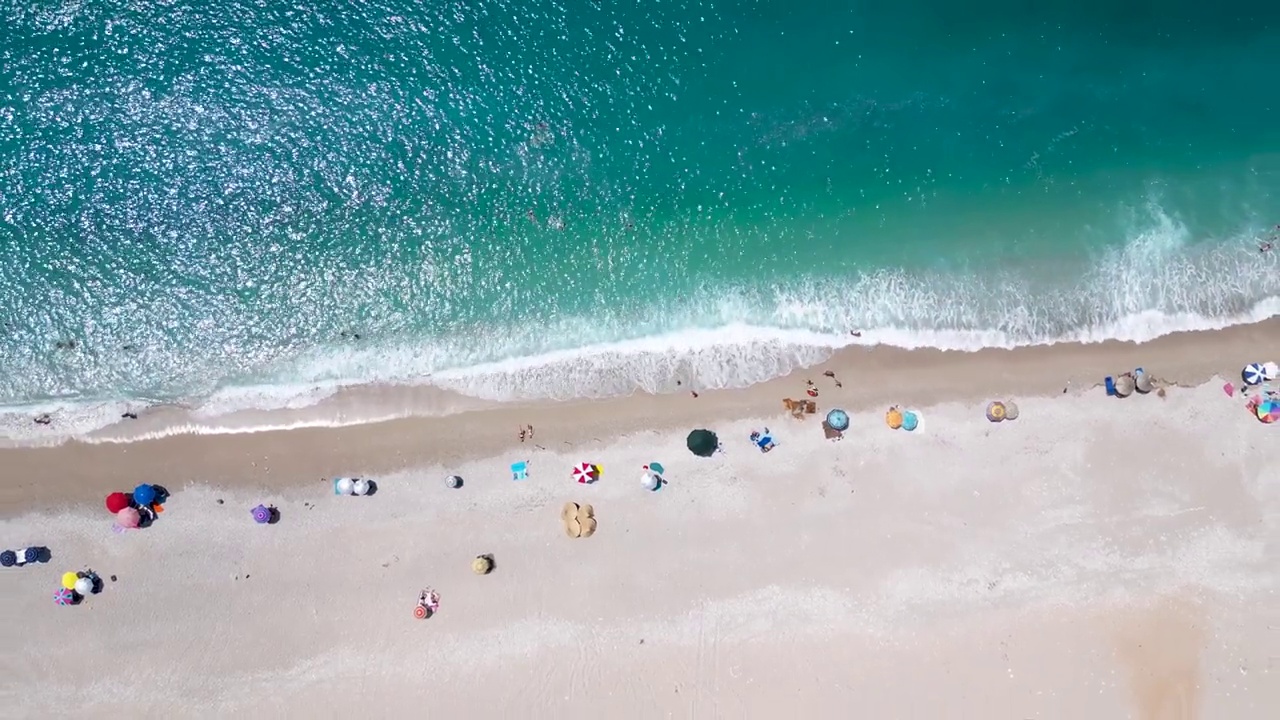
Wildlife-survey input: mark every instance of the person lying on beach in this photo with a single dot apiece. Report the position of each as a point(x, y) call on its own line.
point(1266, 247)
point(831, 374)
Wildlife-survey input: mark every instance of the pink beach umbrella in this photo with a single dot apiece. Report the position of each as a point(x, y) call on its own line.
point(584, 473)
point(129, 518)
point(64, 596)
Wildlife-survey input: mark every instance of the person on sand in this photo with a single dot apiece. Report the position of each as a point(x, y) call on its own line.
point(810, 390)
point(856, 333)
point(522, 433)
point(831, 374)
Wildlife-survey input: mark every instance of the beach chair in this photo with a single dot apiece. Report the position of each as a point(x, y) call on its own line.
point(520, 471)
point(1111, 386)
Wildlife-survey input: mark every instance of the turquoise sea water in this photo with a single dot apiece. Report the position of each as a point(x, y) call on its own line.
point(537, 198)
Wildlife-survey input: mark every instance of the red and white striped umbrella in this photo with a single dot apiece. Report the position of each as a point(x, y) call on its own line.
point(584, 473)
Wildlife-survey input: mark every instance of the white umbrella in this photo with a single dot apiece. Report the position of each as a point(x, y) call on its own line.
point(342, 486)
point(650, 480)
point(84, 585)
point(360, 487)
point(1271, 371)
point(1252, 374)
point(1143, 383)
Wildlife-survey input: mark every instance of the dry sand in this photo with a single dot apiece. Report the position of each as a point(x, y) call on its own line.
point(1096, 558)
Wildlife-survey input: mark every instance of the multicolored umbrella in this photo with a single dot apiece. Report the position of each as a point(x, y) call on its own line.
point(838, 420)
point(261, 514)
point(117, 501)
point(64, 597)
point(1268, 411)
point(584, 473)
point(1253, 374)
point(996, 411)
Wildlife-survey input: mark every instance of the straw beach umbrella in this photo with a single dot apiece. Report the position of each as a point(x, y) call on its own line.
point(482, 565)
point(1125, 386)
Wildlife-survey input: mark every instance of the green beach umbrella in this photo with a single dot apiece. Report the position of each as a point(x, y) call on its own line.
point(703, 443)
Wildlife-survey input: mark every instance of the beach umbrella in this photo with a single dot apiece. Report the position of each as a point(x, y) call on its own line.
point(1010, 410)
point(64, 596)
point(656, 467)
point(342, 486)
point(261, 514)
point(584, 473)
point(144, 494)
point(1271, 371)
point(838, 420)
point(84, 585)
point(703, 443)
point(482, 565)
point(360, 486)
point(910, 421)
point(69, 580)
point(1125, 386)
point(1252, 374)
point(1142, 382)
point(128, 518)
point(8, 558)
point(454, 482)
point(1268, 411)
point(650, 480)
point(30, 555)
point(116, 502)
point(893, 418)
point(996, 411)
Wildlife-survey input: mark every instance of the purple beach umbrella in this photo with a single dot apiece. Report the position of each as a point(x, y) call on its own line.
point(261, 515)
point(64, 597)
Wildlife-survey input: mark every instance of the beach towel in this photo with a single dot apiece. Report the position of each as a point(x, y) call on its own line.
point(1111, 386)
point(520, 471)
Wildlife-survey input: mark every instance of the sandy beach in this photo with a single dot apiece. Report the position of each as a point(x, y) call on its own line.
point(1095, 558)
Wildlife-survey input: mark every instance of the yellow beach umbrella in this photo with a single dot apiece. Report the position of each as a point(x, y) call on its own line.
point(69, 580)
point(996, 411)
point(893, 418)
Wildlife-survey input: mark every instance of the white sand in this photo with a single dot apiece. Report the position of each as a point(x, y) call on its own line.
point(1094, 559)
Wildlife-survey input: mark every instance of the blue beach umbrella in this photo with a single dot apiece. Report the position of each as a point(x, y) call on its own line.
point(1253, 374)
point(8, 558)
point(910, 421)
point(838, 420)
point(31, 554)
point(144, 494)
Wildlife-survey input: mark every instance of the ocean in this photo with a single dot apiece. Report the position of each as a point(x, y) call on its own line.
point(244, 205)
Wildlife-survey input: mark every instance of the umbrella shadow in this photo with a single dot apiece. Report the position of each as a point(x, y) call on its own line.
point(373, 488)
point(273, 515)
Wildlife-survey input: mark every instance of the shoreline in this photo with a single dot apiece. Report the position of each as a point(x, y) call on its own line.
point(75, 472)
point(733, 356)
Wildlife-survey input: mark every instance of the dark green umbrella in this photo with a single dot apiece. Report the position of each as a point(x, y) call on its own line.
point(703, 443)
